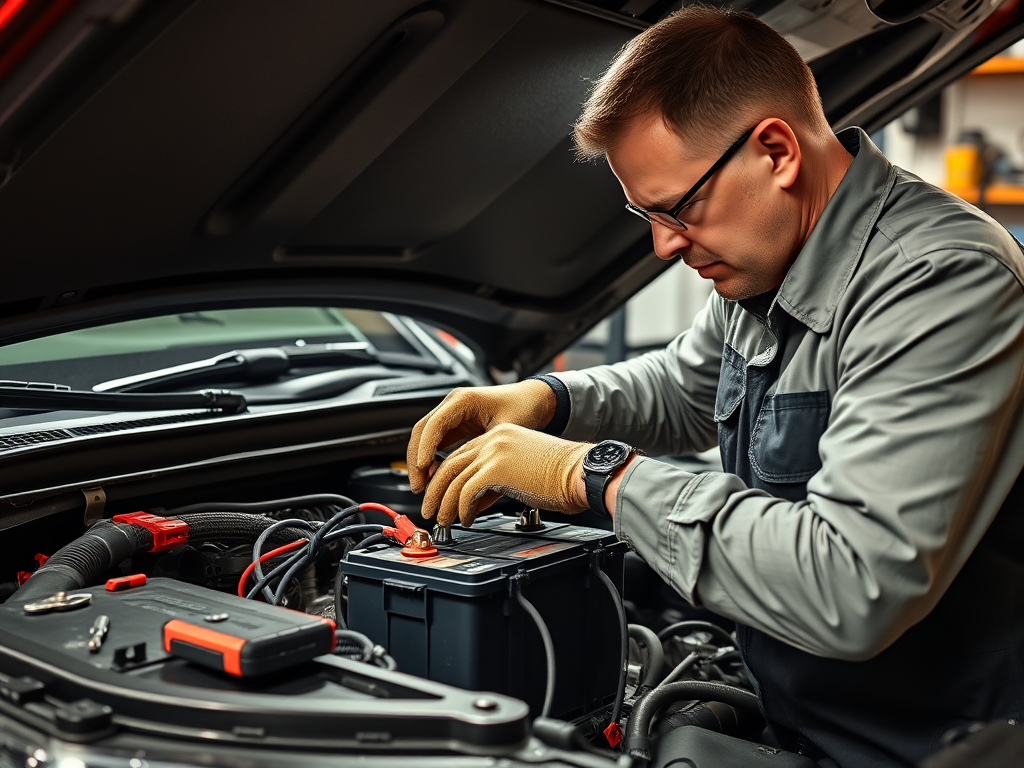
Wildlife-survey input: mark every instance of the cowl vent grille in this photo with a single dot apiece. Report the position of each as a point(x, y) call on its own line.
point(22, 439)
point(418, 384)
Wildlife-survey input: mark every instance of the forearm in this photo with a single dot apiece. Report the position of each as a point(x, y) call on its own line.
point(785, 568)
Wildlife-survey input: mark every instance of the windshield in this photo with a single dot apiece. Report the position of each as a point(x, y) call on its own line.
point(84, 358)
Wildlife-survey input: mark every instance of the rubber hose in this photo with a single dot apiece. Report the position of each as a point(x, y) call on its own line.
point(652, 672)
point(681, 668)
point(637, 739)
point(106, 544)
point(84, 560)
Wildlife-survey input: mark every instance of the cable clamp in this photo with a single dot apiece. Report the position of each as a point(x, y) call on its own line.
point(167, 532)
point(517, 581)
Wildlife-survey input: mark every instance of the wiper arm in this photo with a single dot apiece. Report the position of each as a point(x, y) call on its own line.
point(253, 366)
point(56, 397)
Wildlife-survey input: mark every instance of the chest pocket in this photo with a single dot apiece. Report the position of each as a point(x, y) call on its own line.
point(732, 388)
point(784, 441)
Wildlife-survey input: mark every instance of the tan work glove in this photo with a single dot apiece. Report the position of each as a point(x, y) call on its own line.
point(537, 469)
point(471, 411)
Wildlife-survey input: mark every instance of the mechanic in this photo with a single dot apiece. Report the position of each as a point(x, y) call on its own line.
point(859, 365)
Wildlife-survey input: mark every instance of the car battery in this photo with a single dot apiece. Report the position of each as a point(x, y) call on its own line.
point(454, 617)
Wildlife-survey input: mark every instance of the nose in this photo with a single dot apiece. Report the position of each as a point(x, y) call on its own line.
point(667, 241)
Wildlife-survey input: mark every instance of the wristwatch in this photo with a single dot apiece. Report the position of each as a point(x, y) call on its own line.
point(599, 464)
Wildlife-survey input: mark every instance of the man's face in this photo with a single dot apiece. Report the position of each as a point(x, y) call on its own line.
point(742, 228)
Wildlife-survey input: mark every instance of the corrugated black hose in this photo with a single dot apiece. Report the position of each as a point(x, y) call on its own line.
point(102, 547)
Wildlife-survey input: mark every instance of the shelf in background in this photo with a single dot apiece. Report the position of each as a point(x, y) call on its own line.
point(997, 194)
point(1000, 65)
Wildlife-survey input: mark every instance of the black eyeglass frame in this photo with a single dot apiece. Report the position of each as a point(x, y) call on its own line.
point(673, 212)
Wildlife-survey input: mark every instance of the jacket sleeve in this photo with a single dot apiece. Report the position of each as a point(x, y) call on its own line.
point(923, 443)
point(662, 402)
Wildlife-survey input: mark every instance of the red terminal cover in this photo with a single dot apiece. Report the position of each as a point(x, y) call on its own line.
point(167, 533)
point(122, 583)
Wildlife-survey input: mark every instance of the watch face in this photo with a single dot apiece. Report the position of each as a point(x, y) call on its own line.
point(606, 456)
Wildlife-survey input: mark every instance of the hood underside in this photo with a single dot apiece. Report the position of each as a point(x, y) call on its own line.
point(179, 156)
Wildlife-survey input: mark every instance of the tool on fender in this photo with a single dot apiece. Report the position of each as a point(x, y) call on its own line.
point(98, 633)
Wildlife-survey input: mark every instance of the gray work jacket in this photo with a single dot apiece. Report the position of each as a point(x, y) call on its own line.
point(882, 386)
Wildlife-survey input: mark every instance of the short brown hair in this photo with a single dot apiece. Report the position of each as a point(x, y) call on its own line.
point(708, 72)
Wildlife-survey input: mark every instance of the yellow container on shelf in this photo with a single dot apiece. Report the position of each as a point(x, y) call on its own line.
point(963, 166)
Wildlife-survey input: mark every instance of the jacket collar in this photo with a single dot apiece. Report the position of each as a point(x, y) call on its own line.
point(818, 278)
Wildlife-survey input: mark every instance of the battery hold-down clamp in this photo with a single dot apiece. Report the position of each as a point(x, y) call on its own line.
point(167, 533)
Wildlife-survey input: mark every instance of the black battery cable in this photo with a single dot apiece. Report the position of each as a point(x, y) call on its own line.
point(613, 732)
point(358, 647)
point(316, 534)
point(307, 552)
point(545, 636)
point(340, 615)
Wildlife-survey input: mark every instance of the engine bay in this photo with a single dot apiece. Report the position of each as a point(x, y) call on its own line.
point(343, 625)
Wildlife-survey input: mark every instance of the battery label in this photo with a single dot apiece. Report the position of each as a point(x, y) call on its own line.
point(578, 534)
point(509, 546)
point(542, 549)
point(449, 561)
point(476, 553)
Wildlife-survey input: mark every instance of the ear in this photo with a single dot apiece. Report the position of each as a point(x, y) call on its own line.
point(777, 143)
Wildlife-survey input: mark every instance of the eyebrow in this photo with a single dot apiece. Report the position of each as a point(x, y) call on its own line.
point(664, 203)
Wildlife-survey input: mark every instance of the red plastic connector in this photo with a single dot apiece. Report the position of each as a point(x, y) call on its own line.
point(403, 531)
point(405, 528)
point(613, 733)
point(167, 533)
point(22, 577)
point(122, 583)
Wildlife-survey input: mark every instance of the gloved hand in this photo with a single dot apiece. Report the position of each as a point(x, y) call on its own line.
point(537, 469)
point(471, 411)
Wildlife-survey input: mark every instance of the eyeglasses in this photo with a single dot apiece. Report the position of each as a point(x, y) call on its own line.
point(668, 218)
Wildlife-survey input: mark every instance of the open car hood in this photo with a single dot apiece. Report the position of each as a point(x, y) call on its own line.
point(162, 156)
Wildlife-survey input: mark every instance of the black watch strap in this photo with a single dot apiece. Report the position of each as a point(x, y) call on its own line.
point(595, 485)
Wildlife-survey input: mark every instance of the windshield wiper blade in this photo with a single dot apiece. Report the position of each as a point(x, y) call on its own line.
point(254, 366)
point(37, 399)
